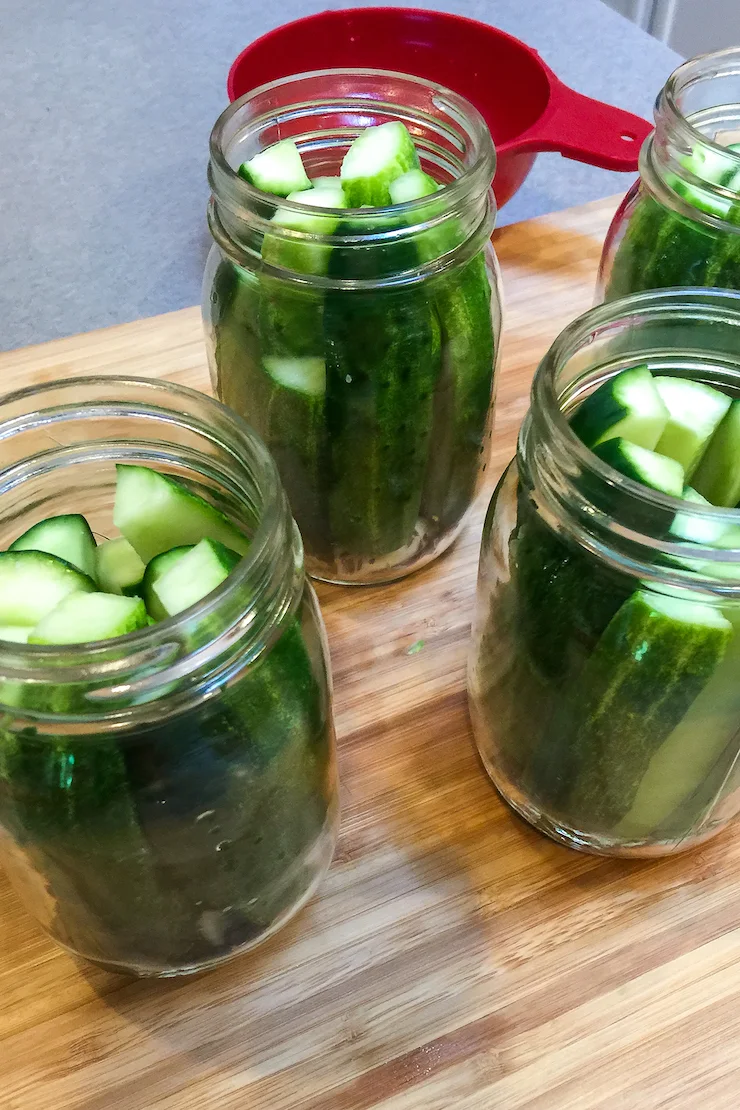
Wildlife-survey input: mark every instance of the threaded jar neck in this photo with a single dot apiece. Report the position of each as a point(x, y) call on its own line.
point(323, 112)
point(59, 445)
point(687, 162)
point(692, 333)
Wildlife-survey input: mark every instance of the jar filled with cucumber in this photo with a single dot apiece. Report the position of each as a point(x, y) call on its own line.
point(604, 678)
point(167, 776)
point(351, 307)
point(680, 223)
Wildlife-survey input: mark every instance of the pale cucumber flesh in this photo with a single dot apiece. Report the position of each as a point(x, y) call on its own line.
point(718, 475)
point(377, 157)
point(32, 583)
point(119, 570)
point(193, 576)
point(627, 406)
point(156, 568)
point(155, 513)
point(655, 471)
point(278, 170)
point(81, 618)
point(694, 413)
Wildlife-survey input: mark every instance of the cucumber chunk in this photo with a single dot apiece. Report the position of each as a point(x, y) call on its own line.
point(278, 170)
point(694, 413)
point(119, 570)
point(694, 529)
point(683, 762)
point(715, 168)
point(328, 196)
point(305, 375)
point(32, 583)
point(194, 576)
point(16, 633)
point(652, 662)
point(376, 158)
point(298, 255)
point(412, 185)
point(155, 513)
point(383, 357)
point(717, 476)
point(155, 568)
point(462, 394)
point(656, 471)
point(68, 537)
point(327, 183)
point(627, 406)
point(80, 618)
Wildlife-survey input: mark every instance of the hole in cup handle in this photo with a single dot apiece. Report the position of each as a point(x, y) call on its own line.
point(587, 130)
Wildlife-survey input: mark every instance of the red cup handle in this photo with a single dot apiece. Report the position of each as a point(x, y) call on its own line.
point(587, 130)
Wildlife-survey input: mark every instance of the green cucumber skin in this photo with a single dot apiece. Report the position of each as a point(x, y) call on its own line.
point(660, 249)
point(566, 599)
point(464, 394)
point(68, 806)
point(122, 832)
point(417, 409)
point(295, 431)
point(254, 321)
point(612, 721)
point(382, 365)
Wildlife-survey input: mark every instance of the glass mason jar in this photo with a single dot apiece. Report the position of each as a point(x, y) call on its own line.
point(362, 350)
point(679, 225)
point(604, 678)
point(169, 798)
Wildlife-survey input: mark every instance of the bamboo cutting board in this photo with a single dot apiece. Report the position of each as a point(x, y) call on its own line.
point(454, 959)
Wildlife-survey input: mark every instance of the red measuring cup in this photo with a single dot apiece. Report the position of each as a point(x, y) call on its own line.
point(527, 108)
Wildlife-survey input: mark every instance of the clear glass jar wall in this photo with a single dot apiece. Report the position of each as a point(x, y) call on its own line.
point(167, 799)
point(679, 225)
point(604, 678)
point(362, 351)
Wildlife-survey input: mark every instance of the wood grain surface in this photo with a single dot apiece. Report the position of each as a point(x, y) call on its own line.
point(453, 958)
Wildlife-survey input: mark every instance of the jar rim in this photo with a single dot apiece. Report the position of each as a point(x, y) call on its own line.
point(103, 653)
point(688, 73)
point(662, 158)
point(547, 411)
point(483, 167)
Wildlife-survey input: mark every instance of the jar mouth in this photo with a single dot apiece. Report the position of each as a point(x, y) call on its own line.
point(323, 111)
point(160, 406)
point(478, 173)
point(586, 353)
point(699, 102)
point(689, 76)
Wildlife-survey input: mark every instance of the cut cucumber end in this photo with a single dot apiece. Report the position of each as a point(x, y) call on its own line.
point(32, 583)
point(278, 170)
point(81, 618)
point(627, 406)
point(304, 375)
point(717, 476)
point(694, 529)
point(412, 185)
point(15, 633)
point(326, 182)
point(693, 614)
point(376, 158)
point(155, 569)
point(119, 570)
point(155, 513)
point(655, 471)
point(193, 576)
point(695, 411)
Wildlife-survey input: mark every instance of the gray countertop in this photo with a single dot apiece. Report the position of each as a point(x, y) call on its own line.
point(107, 106)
